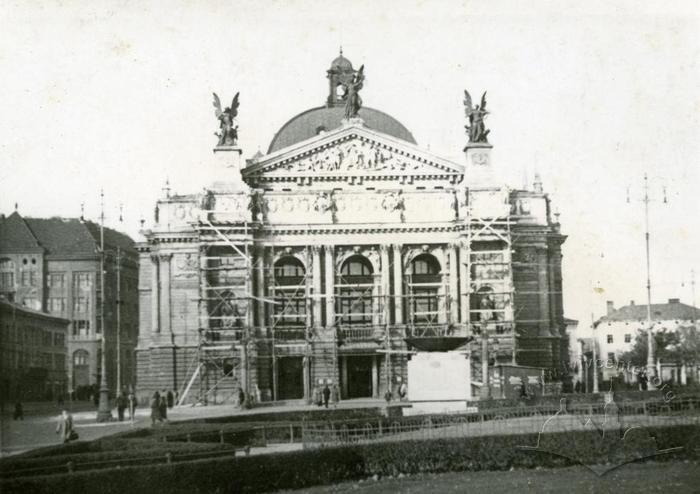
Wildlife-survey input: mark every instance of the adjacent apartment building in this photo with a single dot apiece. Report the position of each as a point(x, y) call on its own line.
point(52, 266)
point(32, 353)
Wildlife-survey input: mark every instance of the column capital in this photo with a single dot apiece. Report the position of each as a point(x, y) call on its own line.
point(154, 257)
point(384, 248)
point(316, 249)
point(329, 249)
point(165, 257)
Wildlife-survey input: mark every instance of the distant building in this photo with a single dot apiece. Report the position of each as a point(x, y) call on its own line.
point(616, 332)
point(53, 265)
point(33, 353)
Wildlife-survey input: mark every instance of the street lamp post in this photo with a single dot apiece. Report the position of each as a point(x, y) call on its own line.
point(650, 368)
point(104, 411)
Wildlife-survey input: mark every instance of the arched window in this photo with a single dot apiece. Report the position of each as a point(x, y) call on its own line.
point(486, 305)
point(80, 357)
point(290, 309)
point(7, 274)
point(354, 299)
point(288, 270)
point(425, 283)
point(357, 267)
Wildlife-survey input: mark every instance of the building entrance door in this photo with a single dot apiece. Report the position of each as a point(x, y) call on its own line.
point(290, 378)
point(359, 376)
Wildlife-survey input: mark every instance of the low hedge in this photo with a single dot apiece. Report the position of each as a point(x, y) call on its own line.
point(313, 415)
point(142, 453)
point(322, 466)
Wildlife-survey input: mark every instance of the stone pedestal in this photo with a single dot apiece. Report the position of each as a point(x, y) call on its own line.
point(226, 171)
point(479, 169)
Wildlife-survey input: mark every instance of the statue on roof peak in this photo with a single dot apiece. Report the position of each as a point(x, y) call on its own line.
point(229, 134)
point(353, 102)
point(476, 129)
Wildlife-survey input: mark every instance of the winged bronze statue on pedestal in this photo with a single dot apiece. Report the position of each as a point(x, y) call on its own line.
point(229, 134)
point(353, 102)
point(476, 130)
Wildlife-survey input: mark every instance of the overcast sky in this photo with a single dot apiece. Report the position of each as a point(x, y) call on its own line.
point(589, 94)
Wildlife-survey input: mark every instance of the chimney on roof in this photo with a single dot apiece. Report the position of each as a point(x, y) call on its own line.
point(611, 307)
point(631, 302)
point(674, 301)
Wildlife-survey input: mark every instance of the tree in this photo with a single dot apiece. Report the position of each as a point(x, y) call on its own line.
point(665, 343)
point(681, 346)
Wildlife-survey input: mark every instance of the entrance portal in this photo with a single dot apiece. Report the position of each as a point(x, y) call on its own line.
point(359, 376)
point(290, 378)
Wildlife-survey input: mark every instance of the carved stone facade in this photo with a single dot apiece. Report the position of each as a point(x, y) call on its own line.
point(333, 258)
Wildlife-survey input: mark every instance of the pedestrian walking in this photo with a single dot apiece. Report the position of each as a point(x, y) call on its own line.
point(171, 399)
point(326, 395)
point(163, 408)
point(315, 395)
point(387, 396)
point(131, 402)
point(121, 406)
point(335, 395)
point(241, 398)
point(155, 408)
point(19, 412)
point(65, 427)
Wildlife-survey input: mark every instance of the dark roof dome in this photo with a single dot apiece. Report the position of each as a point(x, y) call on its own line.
point(323, 119)
point(341, 63)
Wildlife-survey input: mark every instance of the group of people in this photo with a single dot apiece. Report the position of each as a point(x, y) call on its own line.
point(322, 396)
point(160, 404)
point(126, 402)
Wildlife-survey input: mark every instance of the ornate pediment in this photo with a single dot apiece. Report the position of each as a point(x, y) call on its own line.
point(350, 152)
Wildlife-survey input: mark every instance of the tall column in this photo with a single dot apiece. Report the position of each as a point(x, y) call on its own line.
point(155, 295)
point(398, 284)
point(543, 287)
point(386, 273)
point(454, 285)
point(203, 292)
point(316, 279)
point(260, 284)
point(329, 256)
point(464, 282)
point(165, 313)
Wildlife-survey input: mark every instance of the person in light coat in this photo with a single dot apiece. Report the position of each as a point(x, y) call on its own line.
point(65, 427)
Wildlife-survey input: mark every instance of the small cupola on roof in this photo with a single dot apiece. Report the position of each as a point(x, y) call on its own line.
point(339, 75)
point(330, 116)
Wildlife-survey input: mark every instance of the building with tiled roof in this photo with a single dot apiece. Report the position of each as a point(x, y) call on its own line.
point(616, 331)
point(52, 265)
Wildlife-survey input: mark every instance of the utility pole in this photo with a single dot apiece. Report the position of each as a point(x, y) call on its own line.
point(119, 320)
point(486, 384)
point(595, 356)
point(651, 367)
point(104, 411)
point(692, 288)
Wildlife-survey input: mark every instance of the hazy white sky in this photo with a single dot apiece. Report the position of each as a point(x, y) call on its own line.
point(590, 94)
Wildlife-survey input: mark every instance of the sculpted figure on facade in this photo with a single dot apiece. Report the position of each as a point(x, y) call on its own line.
point(394, 201)
point(353, 102)
point(256, 205)
point(476, 129)
point(325, 202)
point(228, 135)
point(208, 200)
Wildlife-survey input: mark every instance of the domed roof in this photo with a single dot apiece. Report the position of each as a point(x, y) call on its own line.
point(341, 63)
point(323, 119)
